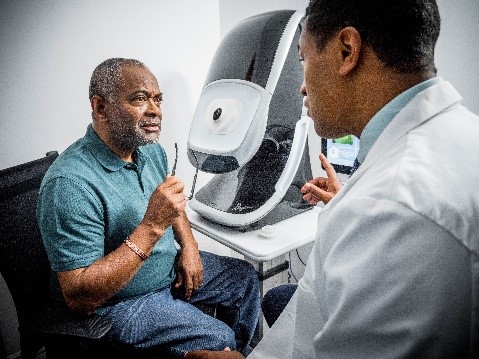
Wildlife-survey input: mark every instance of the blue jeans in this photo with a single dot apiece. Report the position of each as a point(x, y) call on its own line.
point(164, 321)
point(275, 300)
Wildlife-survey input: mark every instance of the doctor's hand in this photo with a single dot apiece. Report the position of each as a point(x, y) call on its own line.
point(321, 189)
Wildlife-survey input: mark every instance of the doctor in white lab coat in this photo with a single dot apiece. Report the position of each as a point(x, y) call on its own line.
point(394, 271)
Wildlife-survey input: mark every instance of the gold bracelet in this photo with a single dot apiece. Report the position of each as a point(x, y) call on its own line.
point(136, 249)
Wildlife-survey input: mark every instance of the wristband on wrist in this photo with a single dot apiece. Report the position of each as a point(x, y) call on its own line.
point(136, 249)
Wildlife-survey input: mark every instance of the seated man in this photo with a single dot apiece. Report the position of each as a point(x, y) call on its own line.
point(110, 214)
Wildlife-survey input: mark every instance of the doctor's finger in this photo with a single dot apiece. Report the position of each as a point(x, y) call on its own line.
point(314, 194)
point(311, 199)
point(330, 172)
point(320, 182)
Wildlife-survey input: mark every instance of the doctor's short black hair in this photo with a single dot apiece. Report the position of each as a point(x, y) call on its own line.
point(402, 33)
point(107, 76)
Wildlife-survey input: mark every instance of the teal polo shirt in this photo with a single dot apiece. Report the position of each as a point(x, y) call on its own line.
point(91, 200)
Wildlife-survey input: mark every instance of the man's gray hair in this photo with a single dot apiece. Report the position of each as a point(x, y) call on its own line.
point(106, 77)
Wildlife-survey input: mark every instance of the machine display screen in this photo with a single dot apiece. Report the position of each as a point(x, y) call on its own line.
point(341, 152)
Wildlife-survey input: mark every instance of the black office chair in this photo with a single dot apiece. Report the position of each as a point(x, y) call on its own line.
point(25, 268)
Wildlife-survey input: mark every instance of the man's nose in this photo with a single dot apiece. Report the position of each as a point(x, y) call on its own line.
point(302, 89)
point(154, 109)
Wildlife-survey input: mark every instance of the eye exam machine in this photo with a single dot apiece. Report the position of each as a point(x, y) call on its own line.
point(250, 128)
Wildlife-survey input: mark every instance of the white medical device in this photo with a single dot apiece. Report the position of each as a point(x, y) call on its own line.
point(249, 128)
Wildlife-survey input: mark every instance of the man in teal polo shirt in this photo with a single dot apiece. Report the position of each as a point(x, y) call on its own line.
point(110, 215)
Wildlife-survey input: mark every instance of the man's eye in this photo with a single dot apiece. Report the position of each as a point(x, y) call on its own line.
point(158, 101)
point(140, 98)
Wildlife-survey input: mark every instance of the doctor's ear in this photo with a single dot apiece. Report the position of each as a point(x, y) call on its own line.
point(98, 107)
point(350, 47)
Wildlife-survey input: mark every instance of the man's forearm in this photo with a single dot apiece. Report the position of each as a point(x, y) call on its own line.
point(183, 232)
point(85, 289)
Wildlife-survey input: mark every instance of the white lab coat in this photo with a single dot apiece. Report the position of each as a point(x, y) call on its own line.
point(394, 271)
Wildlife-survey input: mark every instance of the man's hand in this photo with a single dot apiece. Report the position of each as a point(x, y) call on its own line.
point(209, 354)
point(189, 269)
point(166, 203)
point(320, 188)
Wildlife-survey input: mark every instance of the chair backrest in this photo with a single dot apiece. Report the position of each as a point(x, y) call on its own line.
point(23, 261)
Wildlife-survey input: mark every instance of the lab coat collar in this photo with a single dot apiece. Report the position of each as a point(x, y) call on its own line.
point(424, 106)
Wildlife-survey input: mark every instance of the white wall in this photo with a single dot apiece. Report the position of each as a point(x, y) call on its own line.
point(457, 50)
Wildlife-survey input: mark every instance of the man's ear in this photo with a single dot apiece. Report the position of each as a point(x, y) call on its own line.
point(350, 46)
point(98, 107)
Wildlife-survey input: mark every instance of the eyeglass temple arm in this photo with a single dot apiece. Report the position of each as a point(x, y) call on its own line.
point(173, 171)
point(194, 178)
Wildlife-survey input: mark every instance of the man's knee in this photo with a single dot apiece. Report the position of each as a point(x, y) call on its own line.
point(248, 272)
point(222, 337)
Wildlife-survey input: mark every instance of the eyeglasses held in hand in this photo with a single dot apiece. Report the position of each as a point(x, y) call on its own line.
point(196, 172)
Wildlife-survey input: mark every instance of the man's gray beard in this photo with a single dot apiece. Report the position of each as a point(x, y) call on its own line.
point(128, 138)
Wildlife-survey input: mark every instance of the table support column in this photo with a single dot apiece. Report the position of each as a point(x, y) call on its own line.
point(270, 274)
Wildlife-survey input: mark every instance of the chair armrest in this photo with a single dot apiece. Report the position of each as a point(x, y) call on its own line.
point(60, 321)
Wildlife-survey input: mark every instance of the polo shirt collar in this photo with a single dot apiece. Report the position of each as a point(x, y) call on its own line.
point(106, 157)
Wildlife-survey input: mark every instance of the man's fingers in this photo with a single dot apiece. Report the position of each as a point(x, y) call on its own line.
point(174, 184)
point(195, 281)
point(188, 287)
point(199, 281)
point(179, 280)
point(210, 354)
